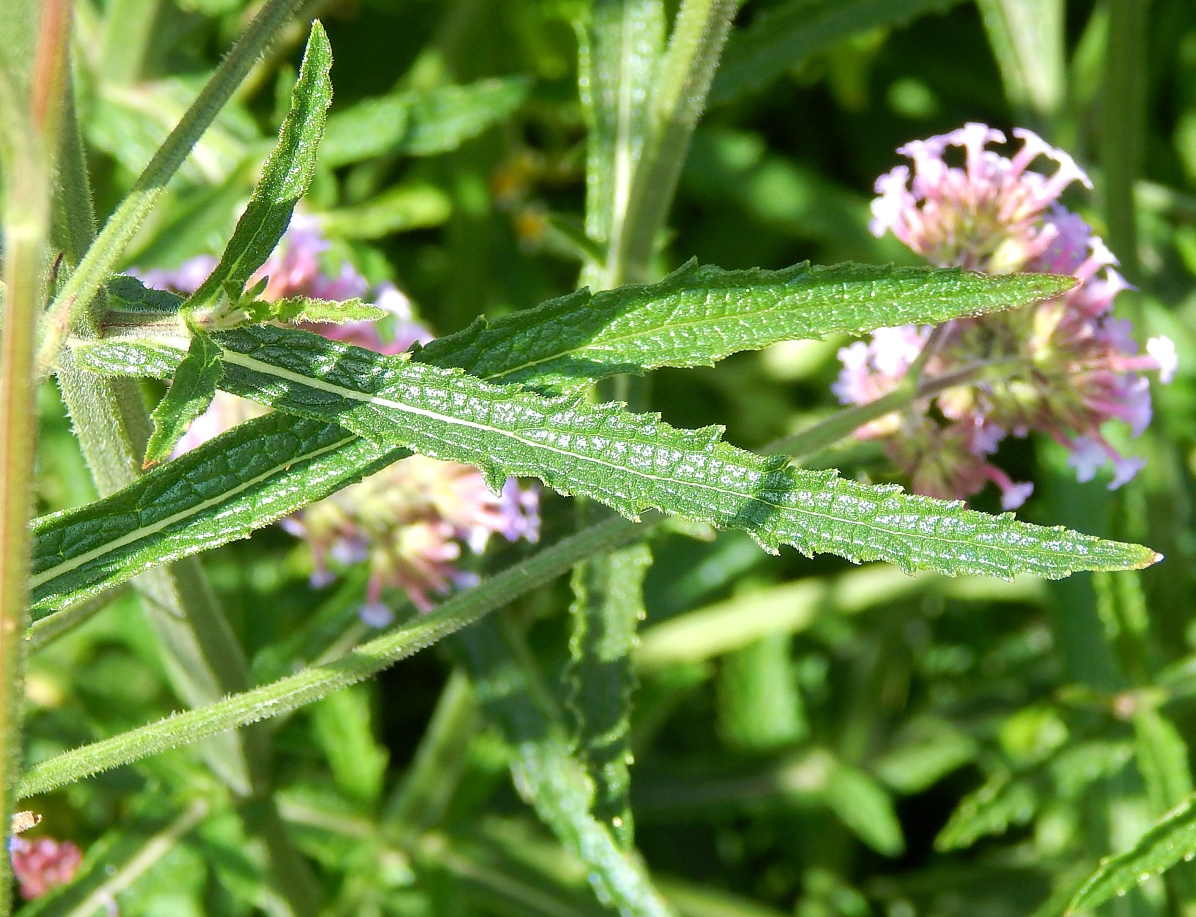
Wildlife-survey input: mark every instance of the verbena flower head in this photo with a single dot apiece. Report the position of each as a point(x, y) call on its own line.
point(1065, 367)
point(42, 863)
point(411, 522)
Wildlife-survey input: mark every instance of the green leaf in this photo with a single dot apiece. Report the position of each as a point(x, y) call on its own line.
point(698, 315)
point(419, 123)
point(694, 317)
point(226, 488)
point(1169, 841)
point(608, 605)
point(781, 38)
point(190, 393)
point(1001, 802)
point(129, 295)
point(366, 660)
point(285, 177)
point(618, 57)
point(292, 309)
point(544, 771)
point(345, 733)
point(1162, 758)
point(634, 462)
point(399, 209)
point(866, 808)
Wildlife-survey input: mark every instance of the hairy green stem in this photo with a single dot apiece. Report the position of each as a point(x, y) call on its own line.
point(33, 69)
point(290, 693)
point(201, 654)
point(684, 81)
point(78, 295)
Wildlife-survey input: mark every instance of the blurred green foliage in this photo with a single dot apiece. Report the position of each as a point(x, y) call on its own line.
point(808, 738)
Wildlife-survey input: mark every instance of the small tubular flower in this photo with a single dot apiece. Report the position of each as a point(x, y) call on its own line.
point(1064, 367)
point(410, 522)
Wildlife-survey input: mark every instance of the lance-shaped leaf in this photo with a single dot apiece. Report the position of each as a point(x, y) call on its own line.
point(634, 462)
point(226, 488)
point(1170, 840)
point(698, 315)
point(285, 177)
point(190, 393)
point(419, 123)
point(694, 317)
point(545, 773)
point(608, 604)
point(781, 37)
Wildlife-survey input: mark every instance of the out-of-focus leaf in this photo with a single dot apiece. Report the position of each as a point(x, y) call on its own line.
point(866, 808)
point(130, 121)
point(545, 774)
point(346, 735)
point(1001, 802)
point(931, 750)
point(621, 44)
point(1162, 758)
point(398, 209)
point(781, 37)
point(419, 123)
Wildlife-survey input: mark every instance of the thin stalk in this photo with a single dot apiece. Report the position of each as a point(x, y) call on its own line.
point(1124, 113)
point(843, 423)
point(31, 91)
point(685, 77)
point(295, 691)
point(79, 293)
point(200, 653)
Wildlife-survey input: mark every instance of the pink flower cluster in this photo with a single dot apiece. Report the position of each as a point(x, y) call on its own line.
point(1064, 367)
point(409, 522)
point(43, 863)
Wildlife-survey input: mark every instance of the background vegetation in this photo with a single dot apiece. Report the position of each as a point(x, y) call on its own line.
point(810, 737)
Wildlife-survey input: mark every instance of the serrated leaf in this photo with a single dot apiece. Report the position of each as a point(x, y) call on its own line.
point(128, 294)
point(607, 607)
point(191, 391)
point(634, 462)
point(1001, 802)
point(1169, 841)
point(226, 488)
point(544, 771)
point(782, 37)
point(419, 123)
point(292, 309)
point(694, 317)
point(285, 177)
point(698, 315)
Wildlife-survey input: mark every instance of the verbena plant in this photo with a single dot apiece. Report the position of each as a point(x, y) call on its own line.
point(551, 392)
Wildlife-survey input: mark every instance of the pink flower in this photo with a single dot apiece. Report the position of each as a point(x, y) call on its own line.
point(42, 864)
point(1065, 367)
point(409, 522)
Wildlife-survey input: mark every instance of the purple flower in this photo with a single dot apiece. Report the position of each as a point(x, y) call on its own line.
point(410, 522)
point(1065, 367)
